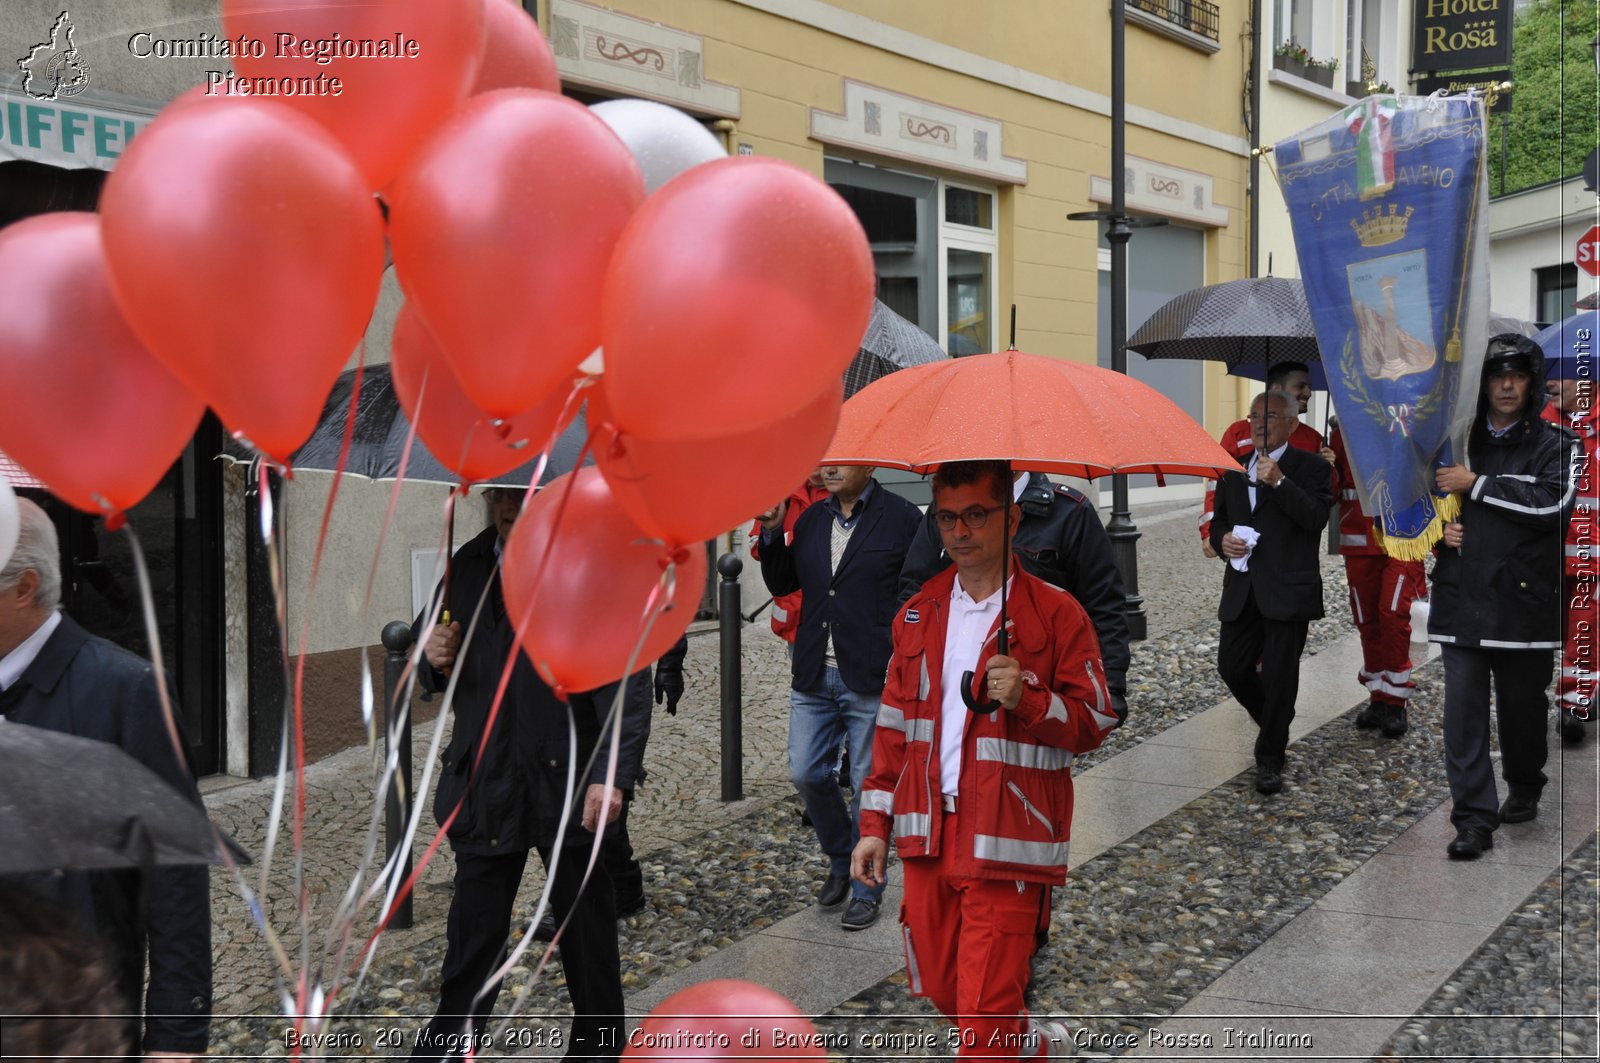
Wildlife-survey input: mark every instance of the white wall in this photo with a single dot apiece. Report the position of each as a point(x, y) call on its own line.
point(1532, 230)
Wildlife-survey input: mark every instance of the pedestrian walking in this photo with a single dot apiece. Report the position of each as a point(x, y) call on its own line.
point(979, 801)
point(1496, 606)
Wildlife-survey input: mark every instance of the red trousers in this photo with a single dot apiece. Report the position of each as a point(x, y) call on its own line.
point(968, 941)
point(1576, 688)
point(1382, 589)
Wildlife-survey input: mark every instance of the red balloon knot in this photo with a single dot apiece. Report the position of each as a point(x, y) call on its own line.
point(115, 521)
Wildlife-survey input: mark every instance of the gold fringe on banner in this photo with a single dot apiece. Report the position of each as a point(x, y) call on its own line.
point(1446, 508)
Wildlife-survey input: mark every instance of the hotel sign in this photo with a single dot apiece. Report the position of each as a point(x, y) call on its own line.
point(1461, 35)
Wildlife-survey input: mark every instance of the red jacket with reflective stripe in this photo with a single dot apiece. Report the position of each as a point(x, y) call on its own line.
point(1583, 530)
point(1016, 767)
point(786, 607)
point(1237, 442)
point(1356, 530)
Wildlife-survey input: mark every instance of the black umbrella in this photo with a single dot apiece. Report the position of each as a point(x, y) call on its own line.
point(80, 804)
point(891, 343)
point(379, 439)
point(1259, 320)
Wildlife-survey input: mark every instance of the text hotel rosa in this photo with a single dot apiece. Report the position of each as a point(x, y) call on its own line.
point(317, 51)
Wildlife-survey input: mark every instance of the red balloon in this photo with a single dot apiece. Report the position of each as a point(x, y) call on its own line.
point(401, 67)
point(246, 253)
point(501, 229)
point(739, 289)
point(579, 613)
point(85, 407)
point(663, 486)
point(461, 436)
point(715, 1020)
point(515, 52)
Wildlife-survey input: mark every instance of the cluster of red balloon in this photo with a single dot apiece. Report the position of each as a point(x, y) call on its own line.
point(237, 254)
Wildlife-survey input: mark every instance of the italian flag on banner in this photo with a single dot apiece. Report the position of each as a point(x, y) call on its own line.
point(1369, 120)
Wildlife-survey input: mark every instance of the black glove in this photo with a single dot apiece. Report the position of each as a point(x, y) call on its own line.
point(669, 686)
point(1119, 705)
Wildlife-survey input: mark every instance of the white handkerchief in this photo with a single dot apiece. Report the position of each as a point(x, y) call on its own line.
point(1250, 537)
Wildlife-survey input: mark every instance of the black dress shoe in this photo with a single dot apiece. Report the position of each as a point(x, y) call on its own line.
point(632, 906)
point(1572, 730)
point(1268, 781)
point(545, 930)
point(1470, 843)
point(834, 891)
point(862, 913)
point(1394, 721)
point(1368, 719)
point(1519, 808)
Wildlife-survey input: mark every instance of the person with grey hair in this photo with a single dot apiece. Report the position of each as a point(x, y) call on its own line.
point(55, 675)
point(1268, 524)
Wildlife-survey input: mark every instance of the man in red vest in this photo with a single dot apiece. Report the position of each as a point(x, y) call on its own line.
point(786, 607)
point(1382, 589)
point(1293, 379)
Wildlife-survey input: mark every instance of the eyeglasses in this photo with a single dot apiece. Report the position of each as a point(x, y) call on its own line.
point(496, 495)
point(974, 518)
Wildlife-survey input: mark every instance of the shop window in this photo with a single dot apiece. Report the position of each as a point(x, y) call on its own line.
point(934, 249)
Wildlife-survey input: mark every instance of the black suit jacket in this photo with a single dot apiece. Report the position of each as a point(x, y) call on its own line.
point(1285, 568)
point(511, 800)
point(857, 604)
point(86, 686)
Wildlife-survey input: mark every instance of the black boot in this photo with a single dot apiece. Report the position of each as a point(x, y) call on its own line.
point(1394, 721)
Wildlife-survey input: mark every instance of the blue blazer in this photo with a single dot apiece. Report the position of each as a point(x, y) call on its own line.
point(856, 604)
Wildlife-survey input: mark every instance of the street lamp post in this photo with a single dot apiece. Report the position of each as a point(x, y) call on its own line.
point(1124, 534)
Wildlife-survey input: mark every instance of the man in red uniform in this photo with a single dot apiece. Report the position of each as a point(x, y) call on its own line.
point(786, 607)
point(1382, 589)
point(980, 803)
point(1572, 406)
point(1294, 380)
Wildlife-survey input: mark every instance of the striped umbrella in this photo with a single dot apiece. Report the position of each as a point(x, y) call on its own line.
point(891, 344)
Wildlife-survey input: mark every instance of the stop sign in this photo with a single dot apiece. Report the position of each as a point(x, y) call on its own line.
point(1587, 253)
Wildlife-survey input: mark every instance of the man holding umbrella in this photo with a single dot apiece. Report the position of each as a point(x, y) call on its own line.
point(971, 766)
point(56, 676)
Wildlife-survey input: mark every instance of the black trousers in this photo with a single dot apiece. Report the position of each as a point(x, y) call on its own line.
point(476, 935)
point(1267, 694)
point(1520, 678)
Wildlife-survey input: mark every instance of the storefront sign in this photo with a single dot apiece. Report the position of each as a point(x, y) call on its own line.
point(1461, 34)
point(1483, 82)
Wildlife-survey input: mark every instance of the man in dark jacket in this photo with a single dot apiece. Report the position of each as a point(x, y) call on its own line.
point(1062, 541)
point(55, 675)
point(1267, 525)
point(1496, 604)
point(503, 786)
point(845, 557)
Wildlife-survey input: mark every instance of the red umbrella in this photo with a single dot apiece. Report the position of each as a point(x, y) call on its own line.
point(1040, 414)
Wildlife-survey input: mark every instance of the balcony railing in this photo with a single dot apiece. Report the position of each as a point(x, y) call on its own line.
point(1196, 16)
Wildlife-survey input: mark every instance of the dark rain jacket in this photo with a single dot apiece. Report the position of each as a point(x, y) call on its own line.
point(1502, 588)
point(83, 685)
point(512, 797)
point(1060, 539)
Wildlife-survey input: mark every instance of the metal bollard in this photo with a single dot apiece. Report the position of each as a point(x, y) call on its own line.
point(730, 566)
point(397, 640)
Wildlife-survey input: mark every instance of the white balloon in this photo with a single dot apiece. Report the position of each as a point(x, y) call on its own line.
point(664, 141)
point(9, 521)
point(595, 364)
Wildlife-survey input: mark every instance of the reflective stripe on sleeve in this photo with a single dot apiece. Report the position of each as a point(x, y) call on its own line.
point(877, 801)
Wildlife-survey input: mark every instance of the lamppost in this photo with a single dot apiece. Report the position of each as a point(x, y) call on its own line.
point(1124, 534)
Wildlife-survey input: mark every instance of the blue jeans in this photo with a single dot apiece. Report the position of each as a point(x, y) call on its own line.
point(818, 721)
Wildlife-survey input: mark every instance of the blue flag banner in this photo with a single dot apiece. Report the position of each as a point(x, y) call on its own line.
point(1390, 214)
